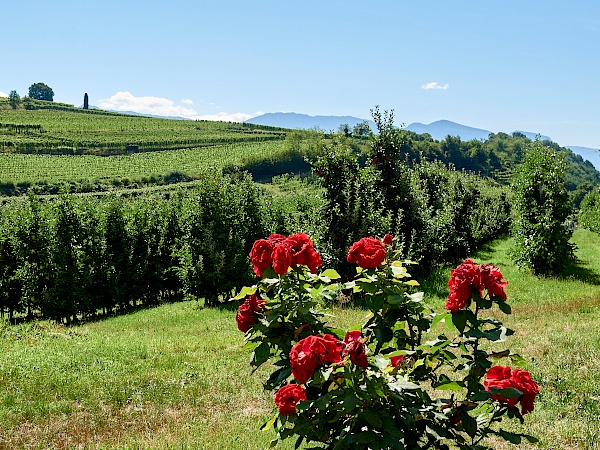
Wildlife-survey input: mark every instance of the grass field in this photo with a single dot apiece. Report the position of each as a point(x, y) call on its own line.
point(176, 377)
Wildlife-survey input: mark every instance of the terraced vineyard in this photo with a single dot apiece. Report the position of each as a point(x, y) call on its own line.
point(34, 168)
point(78, 131)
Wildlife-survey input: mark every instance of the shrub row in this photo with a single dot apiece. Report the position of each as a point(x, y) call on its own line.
point(78, 256)
point(589, 213)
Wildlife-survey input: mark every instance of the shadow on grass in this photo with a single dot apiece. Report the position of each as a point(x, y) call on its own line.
point(577, 271)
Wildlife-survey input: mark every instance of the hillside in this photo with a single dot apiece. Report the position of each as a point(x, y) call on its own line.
point(64, 129)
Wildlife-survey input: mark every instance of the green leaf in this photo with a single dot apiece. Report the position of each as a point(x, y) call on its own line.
point(498, 355)
point(518, 360)
point(396, 299)
point(437, 318)
point(401, 385)
point(381, 362)
point(504, 307)
point(245, 292)
point(506, 392)
point(260, 355)
point(459, 319)
point(449, 386)
point(510, 437)
point(331, 274)
point(531, 439)
point(364, 437)
point(350, 401)
point(268, 425)
point(372, 418)
point(469, 424)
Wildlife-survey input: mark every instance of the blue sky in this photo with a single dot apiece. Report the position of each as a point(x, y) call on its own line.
point(499, 65)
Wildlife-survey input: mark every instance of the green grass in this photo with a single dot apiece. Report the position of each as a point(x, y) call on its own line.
point(176, 377)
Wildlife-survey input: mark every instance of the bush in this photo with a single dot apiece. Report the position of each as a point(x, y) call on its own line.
point(382, 386)
point(542, 207)
point(589, 213)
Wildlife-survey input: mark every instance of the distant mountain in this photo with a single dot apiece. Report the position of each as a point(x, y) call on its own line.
point(304, 121)
point(591, 154)
point(442, 128)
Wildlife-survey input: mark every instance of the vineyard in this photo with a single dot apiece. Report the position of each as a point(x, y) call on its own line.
point(29, 168)
point(77, 131)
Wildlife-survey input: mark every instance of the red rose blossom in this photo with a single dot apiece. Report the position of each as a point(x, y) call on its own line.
point(261, 255)
point(468, 277)
point(355, 347)
point(288, 397)
point(368, 253)
point(502, 378)
point(282, 258)
point(303, 251)
point(248, 311)
point(492, 280)
point(312, 352)
point(388, 239)
point(395, 360)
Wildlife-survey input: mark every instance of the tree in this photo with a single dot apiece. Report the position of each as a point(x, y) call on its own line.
point(86, 104)
point(14, 99)
point(361, 129)
point(41, 91)
point(345, 129)
point(542, 206)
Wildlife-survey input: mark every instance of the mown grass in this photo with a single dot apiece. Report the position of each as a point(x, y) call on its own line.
point(176, 377)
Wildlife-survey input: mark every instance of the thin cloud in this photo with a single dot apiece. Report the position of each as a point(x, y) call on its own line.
point(435, 85)
point(126, 101)
point(158, 106)
point(225, 117)
point(2, 94)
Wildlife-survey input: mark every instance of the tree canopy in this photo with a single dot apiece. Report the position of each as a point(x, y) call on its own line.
point(41, 91)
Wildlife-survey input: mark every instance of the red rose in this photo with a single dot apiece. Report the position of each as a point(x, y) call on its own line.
point(248, 311)
point(312, 352)
point(275, 238)
point(368, 253)
point(334, 348)
point(261, 255)
point(502, 378)
point(460, 283)
point(305, 356)
point(355, 347)
point(395, 360)
point(388, 239)
point(303, 251)
point(523, 382)
point(492, 281)
point(288, 397)
point(282, 258)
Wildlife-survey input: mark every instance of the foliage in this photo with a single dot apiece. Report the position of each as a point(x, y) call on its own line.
point(14, 98)
point(73, 257)
point(542, 207)
point(589, 214)
point(384, 386)
point(41, 91)
point(437, 214)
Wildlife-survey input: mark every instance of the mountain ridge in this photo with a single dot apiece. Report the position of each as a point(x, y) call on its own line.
point(438, 130)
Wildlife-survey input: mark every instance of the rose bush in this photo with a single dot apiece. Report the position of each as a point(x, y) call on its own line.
point(395, 383)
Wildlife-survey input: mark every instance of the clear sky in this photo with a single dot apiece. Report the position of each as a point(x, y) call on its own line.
point(503, 65)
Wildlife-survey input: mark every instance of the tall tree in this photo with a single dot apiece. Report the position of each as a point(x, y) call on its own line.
point(86, 104)
point(14, 99)
point(41, 91)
